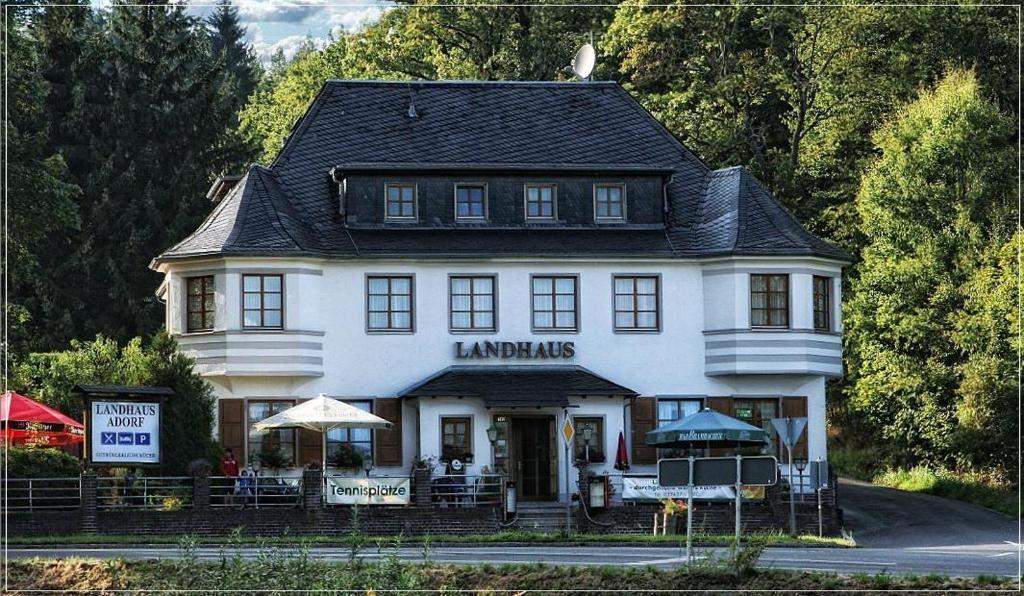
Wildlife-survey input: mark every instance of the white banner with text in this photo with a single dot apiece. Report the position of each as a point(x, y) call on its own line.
point(368, 491)
point(646, 488)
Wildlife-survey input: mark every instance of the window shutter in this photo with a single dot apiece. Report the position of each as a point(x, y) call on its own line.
point(387, 444)
point(796, 407)
point(722, 405)
point(231, 421)
point(310, 450)
point(644, 419)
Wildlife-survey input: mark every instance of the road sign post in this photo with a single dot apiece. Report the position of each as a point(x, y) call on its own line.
point(568, 432)
point(739, 478)
point(689, 510)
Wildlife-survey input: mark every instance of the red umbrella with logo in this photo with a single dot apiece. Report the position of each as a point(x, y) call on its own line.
point(621, 454)
point(29, 423)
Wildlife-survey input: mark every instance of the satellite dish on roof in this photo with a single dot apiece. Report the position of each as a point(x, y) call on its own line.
point(583, 63)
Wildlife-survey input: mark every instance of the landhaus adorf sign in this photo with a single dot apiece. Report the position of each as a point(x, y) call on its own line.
point(124, 432)
point(524, 350)
point(368, 491)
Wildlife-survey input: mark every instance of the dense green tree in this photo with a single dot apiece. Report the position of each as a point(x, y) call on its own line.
point(41, 200)
point(227, 43)
point(162, 132)
point(931, 206)
point(188, 415)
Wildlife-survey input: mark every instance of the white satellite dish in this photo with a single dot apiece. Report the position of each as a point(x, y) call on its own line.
point(583, 63)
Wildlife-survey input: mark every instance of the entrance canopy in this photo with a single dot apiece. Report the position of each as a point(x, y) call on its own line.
point(705, 428)
point(517, 386)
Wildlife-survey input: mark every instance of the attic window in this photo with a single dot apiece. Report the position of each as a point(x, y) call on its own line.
point(400, 201)
point(609, 202)
point(470, 202)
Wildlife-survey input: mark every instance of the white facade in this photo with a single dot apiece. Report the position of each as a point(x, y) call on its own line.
point(705, 346)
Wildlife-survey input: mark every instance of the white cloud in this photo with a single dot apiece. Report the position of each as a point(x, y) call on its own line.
point(350, 20)
point(290, 45)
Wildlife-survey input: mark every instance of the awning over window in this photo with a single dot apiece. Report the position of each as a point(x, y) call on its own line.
point(516, 386)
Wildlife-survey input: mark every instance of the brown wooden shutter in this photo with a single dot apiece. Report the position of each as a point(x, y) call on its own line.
point(796, 407)
point(387, 444)
point(231, 422)
point(644, 419)
point(310, 451)
point(722, 405)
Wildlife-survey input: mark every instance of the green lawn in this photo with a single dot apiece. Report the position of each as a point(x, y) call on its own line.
point(499, 537)
point(952, 486)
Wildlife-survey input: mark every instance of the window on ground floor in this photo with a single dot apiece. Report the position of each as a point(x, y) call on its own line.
point(275, 448)
point(456, 438)
point(592, 450)
point(758, 412)
point(349, 447)
point(672, 409)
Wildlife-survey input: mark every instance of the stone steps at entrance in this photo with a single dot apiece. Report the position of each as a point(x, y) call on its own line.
point(548, 517)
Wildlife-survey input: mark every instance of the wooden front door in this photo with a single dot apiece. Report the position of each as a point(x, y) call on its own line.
point(532, 442)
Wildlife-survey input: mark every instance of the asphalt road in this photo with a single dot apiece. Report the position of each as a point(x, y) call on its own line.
point(888, 518)
point(997, 560)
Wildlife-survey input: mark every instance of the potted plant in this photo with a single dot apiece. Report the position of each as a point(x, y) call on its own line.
point(347, 458)
point(273, 458)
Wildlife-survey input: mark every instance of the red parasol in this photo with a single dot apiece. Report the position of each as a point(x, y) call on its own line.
point(621, 455)
point(30, 423)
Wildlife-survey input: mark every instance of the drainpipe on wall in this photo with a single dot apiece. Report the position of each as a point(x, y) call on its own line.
point(666, 208)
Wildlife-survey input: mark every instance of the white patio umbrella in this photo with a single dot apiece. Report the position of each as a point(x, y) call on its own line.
point(322, 414)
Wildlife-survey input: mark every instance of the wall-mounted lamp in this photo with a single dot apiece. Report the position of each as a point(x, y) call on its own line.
point(492, 434)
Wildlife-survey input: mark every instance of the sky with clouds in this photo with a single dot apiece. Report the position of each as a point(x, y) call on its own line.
point(285, 24)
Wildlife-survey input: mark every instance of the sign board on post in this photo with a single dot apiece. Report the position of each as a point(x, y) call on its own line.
point(789, 429)
point(124, 432)
point(368, 491)
point(761, 470)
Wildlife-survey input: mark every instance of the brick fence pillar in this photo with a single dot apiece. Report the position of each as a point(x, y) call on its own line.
point(88, 501)
point(200, 492)
point(422, 480)
point(313, 489)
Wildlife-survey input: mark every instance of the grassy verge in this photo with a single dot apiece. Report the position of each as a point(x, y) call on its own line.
point(305, 574)
point(498, 537)
point(947, 484)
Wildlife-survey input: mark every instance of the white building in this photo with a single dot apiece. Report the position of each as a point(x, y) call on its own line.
point(462, 257)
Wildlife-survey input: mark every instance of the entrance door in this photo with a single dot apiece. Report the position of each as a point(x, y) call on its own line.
point(532, 440)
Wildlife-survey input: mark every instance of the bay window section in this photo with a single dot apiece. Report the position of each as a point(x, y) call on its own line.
point(275, 447)
point(389, 303)
point(262, 302)
point(201, 303)
point(769, 300)
point(822, 303)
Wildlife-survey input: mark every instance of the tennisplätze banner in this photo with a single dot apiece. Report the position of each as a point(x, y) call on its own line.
point(368, 491)
point(124, 432)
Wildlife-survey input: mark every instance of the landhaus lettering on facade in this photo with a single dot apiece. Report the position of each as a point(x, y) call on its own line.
point(520, 349)
point(542, 270)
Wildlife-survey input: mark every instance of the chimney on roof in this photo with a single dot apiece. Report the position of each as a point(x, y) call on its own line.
point(221, 187)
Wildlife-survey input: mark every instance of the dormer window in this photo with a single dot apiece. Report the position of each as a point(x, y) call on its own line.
point(470, 202)
point(400, 202)
point(540, 202)
point(609, 202)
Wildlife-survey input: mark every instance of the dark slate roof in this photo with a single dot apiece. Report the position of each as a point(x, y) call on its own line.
point(289, 209)
point(516, 386)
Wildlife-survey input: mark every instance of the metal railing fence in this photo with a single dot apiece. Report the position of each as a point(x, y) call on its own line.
point(258, 492)
point(457, 490)
point(167, 493)
point(40, 494)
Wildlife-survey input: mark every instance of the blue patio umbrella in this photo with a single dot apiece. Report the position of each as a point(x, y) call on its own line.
point(706, 428)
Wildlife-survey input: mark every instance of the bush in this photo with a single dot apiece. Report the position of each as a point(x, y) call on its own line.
point(40, 463)
point(970, 487)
